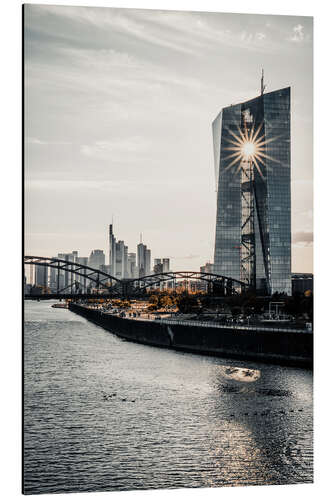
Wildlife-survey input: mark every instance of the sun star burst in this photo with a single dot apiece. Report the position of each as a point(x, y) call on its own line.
point(248, 146)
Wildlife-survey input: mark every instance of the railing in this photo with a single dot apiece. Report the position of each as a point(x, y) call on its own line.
point(233, 327)
point(207, 324)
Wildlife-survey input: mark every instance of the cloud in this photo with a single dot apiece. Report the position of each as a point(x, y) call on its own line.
point(260, 36)
point(201, 34)
point(117, 20)
point(39, 142)
point(298, 33)
point(303, 238)
point(182, 33)
point(135, 91)
point(116, 77)
point(116, 149)
point(34, 140)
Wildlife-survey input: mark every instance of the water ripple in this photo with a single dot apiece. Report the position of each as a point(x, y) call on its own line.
point(102, 414)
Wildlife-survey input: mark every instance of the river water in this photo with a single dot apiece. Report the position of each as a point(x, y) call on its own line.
point(103, 414)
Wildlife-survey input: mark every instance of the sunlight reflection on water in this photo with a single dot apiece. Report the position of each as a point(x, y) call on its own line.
point(105, 414)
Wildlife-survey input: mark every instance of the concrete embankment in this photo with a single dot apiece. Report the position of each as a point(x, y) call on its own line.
point(285, 347)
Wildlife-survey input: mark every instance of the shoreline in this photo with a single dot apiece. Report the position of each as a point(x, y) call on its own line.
point(284, 347)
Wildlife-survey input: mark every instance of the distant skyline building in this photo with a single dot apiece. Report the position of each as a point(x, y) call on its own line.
point(82, 280)
point(207, 268)
point(132, 268)
point(120, 260)
point(148, 262)
point(66, 278)
point(161, 265)
point(166, 265)
point(122, 265)
point(96, 259)
point(144, 259)
point(41, 276)
point(63, 275)
point(53, 278)
point(119, 264)
point(112, 251)
point(252, 167)
point(158, 266)
point(125, 262)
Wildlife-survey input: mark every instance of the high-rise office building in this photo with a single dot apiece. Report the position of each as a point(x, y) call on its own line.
point(120, 260)
point(141, 259)
point(132, 269)
point(158, 266)
point(82, 280)
point(41, 276)
point(161, 265)
point(112, 251)
point(166, 265)
point(66, 278)
point(119, 263)
point(207, 268)
point(62, 274)
point(53, 278)
point(126, 276)
point(96, 259)
point(144, 258)
point(148, 262)
point(252, 167)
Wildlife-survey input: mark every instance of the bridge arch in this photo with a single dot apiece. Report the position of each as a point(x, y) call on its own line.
point(228, 286)
point(136, 286)
point(96, 276)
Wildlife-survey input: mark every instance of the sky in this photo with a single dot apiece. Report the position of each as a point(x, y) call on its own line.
point(118, 111)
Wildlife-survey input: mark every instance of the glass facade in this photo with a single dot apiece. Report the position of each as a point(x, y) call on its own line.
point(253, 228)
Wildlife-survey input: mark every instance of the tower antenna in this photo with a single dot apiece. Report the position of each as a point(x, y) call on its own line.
point(140, 237)
point(263, 87)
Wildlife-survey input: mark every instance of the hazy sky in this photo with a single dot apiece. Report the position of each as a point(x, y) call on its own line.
point(118, 111)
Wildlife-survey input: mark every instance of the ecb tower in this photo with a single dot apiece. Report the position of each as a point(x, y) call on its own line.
point(252, 170)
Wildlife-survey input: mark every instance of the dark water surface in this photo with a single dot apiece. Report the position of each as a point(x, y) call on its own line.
point(105, 414)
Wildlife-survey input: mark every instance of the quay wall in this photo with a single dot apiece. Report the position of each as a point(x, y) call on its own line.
point(292, 348)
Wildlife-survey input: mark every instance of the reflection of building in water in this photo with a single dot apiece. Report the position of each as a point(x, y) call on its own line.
point(260, 421)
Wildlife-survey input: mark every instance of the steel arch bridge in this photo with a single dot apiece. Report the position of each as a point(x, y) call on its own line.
point(226, 285)
point(136, 286)
point(96, 276)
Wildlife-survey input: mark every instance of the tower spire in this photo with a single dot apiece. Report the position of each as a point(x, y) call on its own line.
point(262, 89)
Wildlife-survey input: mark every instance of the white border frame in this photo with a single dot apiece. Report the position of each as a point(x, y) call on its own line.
point(11, 245)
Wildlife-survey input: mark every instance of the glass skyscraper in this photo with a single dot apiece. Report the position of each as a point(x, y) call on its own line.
point(252, 169)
